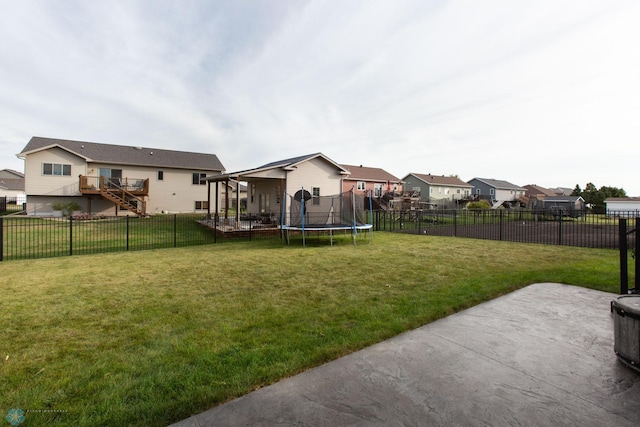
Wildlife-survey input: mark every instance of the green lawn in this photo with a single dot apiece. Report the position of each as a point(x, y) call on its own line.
point(151, 337)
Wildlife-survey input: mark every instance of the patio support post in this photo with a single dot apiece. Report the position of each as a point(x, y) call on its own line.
point(238, 204)
point(208, 199)
point(215, 214)
point(636, 279)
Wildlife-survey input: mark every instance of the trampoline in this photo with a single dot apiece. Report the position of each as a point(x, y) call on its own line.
point(325, 228)
point(304, 213)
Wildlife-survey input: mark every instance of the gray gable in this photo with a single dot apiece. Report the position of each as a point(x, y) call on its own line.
point(496, 183)
point(130, 155)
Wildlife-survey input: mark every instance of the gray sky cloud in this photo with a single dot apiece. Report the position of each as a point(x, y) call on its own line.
point(530, 92)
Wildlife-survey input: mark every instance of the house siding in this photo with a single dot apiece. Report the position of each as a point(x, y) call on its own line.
point(315, 173)
point(36, 183)
point(613, 206)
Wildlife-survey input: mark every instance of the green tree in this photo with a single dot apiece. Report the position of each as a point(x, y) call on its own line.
point(595, 197)
point(577, 191)
point(590, 194)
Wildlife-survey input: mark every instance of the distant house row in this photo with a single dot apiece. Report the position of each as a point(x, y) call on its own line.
point(113, 179)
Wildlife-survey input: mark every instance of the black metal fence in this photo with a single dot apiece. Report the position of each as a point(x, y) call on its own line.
point(25, 237)
point(10, 204)
point(527, 226)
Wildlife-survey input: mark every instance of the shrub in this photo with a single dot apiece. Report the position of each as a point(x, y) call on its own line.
point(480, 204)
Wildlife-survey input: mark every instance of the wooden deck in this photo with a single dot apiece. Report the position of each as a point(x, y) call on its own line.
point(127, 193)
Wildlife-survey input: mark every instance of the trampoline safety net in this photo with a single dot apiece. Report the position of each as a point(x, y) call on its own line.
point(303, 209)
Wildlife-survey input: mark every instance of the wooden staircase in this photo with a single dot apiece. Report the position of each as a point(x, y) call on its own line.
point(125, 199)
point(127, 193)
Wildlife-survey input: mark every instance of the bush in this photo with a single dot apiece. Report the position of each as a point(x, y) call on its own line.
point(480, 204)
point(66, 208)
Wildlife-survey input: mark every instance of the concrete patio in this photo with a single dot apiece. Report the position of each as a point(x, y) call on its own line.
point(540, 356)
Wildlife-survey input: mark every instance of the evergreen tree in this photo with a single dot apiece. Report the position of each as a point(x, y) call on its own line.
point(577, 191)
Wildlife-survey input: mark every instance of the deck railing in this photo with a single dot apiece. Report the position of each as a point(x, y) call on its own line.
point(96, 184)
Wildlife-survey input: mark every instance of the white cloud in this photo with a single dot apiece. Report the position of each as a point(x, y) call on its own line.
point(542, 92)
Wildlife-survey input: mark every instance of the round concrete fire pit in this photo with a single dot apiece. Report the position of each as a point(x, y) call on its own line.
point(626, 329)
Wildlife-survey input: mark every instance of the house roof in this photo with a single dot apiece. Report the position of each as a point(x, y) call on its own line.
point(449, 181)
point(623, 199)
point(562, 198)
point(562, 191)
point(15, 173)
point(286, 164)
point(536, 189)
point(127, 155)
point(364, 173)
point(499, 184)
point(12, 184)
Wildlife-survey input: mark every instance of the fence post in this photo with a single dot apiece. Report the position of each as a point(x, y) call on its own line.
point(636, 253)
point(455, 223)
point(127, 231)
point(622, 243)
point(559, 229)
point(1, 239)
point(175, 230)
point(501, 218)
point(70, 235)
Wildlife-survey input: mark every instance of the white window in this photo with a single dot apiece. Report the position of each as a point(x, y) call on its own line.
point(377, 190)
point(361, 185)
point(56, 169)
point(197, 178)
point(316, 195)
point(491, 191)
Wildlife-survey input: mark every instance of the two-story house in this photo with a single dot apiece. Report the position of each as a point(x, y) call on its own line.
point(383, 187)
point(535, 194)
point(497, 192)
point(111, 179)
point(440, 191)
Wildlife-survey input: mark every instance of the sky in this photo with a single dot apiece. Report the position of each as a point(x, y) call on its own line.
point(542, 92)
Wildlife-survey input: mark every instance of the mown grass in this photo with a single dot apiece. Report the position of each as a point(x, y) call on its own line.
point(152, 337)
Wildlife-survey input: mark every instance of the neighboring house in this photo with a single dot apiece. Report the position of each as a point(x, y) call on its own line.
point(363, 178)
point(562, 191)
point(535, 194)
point(438, 190)
point(496, 192)
point(109, 179)
point(231, 193)
point(572, 206)
point(11, 184)
point(622, 204)
point(317, 174)
point(380, 184)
